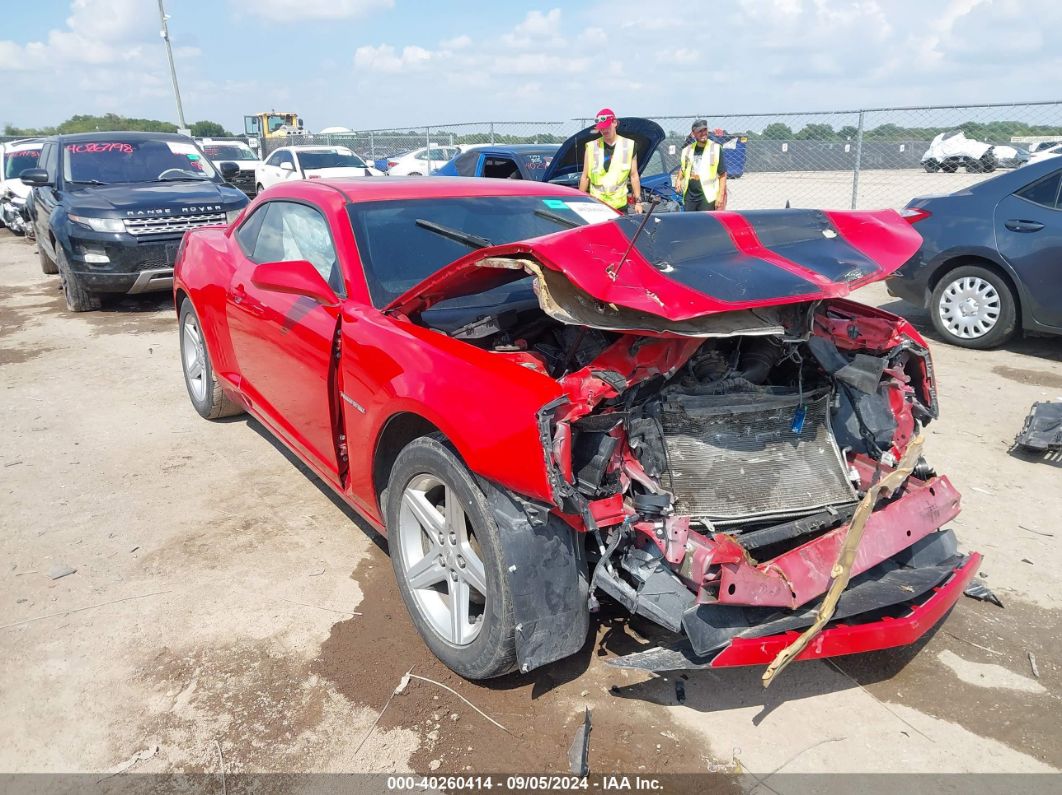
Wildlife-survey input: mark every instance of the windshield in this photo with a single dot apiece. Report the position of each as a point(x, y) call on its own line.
point(275, 121)
point(330, 158)
point(115, 161)
point(18, 161)
point(397, 253)
point(535, 163)
point(218, 152)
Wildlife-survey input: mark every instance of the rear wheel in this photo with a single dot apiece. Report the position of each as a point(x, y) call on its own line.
point(974, 307)
point(206, 393)
point(446, 552)
point(931, 166)
point(78, 299)
point(414, 174)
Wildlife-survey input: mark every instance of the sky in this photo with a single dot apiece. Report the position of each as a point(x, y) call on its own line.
point(380, 63)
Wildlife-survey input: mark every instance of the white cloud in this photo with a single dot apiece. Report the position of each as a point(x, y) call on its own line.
point(536, 30)
point(385, 59)
point(293, 11)
point(456, 43)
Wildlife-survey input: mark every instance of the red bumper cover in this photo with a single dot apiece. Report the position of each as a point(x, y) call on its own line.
point(842, 639)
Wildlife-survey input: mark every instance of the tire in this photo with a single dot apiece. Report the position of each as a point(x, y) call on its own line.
point(949, 168)
point(931, 166)
point(983, 293)
point(467, 562)
point(206, 393)
point(78, 299)
point(258, 189)
point(47, 265)
point(414, 174)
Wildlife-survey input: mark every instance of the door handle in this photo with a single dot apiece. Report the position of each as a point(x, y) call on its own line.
point(1016, 225)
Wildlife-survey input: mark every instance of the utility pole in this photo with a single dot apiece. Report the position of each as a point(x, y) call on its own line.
point(165, 33)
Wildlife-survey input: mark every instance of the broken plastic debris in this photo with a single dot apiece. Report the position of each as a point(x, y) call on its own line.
point(579, 750)
point(59, 570)
point(978, 590)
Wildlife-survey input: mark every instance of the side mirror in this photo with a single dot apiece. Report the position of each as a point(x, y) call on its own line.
point(287, 166)
point(35, 177)
point(297, 277)
point(228, 169)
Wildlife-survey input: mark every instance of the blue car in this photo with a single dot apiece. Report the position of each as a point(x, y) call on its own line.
point(562, 164)
point(991, 257)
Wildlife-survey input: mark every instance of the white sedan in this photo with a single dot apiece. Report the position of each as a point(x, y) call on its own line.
point(311, 162)
point(421, 162)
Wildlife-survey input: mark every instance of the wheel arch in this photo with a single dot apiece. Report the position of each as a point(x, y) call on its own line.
point(983, 262)
point(398, 431)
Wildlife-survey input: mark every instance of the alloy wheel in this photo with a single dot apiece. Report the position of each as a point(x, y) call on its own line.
point(193, 357)
point(441, 560)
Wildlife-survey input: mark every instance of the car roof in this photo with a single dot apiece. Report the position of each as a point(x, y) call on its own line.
point(517, 148)
point(372, 189)
point(127, 135)
point(312, 148)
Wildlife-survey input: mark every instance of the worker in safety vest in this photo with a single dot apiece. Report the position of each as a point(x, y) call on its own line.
point(609, 163)
point(702, 174)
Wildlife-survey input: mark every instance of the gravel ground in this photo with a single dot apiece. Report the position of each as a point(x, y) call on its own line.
point(227, 610)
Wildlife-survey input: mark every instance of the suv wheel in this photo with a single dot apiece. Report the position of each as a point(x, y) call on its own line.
point(47, 264)
point(974, 307)
point(446, 552)
point(206, 393)
point(78, 299)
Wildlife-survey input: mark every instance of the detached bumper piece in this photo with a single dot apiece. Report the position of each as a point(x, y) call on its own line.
point(1042, 432)
point(892, 604)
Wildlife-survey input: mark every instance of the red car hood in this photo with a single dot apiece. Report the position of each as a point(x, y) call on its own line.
point(688, 265)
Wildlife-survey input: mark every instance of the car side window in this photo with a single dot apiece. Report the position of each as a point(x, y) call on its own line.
point(49, 160)
point(421, 155)
point(466, 163)
point(292, 231)
point(272, 159)
point(1045, 191)
point(247, 234)
point(284, 157)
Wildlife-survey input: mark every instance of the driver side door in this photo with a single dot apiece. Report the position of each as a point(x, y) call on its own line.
point(283, 344)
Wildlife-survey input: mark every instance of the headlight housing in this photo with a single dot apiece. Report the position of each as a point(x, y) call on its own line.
point(99, 224)
point(232, 215)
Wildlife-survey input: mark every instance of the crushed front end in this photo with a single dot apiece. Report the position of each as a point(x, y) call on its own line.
point(717, 479)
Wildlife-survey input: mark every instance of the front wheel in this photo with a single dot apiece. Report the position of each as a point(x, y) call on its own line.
point(204, 390)
point(78, 299)
point(974, 307)
point(446, 552)
point(48, 266)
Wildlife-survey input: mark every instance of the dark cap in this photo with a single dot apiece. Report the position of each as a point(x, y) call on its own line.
point(699, 124)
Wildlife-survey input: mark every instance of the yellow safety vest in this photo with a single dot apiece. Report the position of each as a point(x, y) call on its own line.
point(708, 170)
point(610, 186)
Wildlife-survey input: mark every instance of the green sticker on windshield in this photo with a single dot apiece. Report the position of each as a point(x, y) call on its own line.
point(555, 204)
point(192, 157)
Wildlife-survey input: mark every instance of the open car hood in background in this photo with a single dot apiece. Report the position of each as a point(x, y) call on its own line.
point(685, 265)
point(568, 159)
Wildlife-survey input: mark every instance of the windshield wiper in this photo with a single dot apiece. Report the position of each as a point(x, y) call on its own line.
point(560, 219)
point(180, 179)
point(86, 182)
point(470, 240)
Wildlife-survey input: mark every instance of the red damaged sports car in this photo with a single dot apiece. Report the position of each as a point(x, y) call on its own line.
point(539, 402)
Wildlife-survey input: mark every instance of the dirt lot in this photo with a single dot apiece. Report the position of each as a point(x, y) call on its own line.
point(229, 612)
point(833, 189)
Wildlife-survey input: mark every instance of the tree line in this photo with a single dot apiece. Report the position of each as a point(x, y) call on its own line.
point(110, 122)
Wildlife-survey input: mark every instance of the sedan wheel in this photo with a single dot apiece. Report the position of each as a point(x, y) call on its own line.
point(446, 551)
point(441, 559)
point(204, 390)
point(973, 307)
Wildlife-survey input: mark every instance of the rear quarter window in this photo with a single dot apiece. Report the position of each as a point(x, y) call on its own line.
point(1044, 192)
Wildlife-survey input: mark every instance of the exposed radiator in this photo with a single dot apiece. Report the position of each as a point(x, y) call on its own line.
point(737, 456)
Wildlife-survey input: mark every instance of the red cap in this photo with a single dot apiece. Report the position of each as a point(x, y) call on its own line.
point(604, 119)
